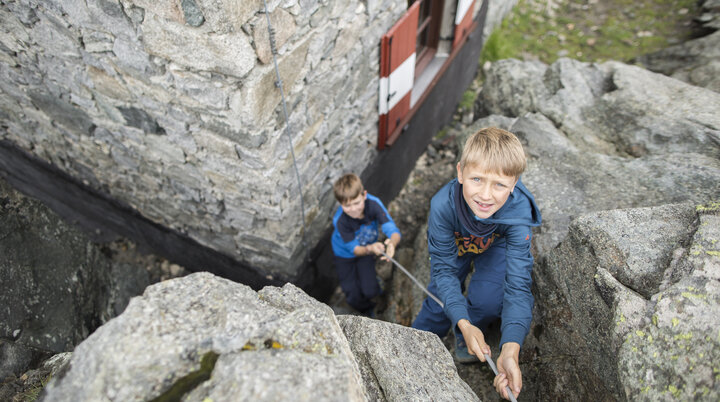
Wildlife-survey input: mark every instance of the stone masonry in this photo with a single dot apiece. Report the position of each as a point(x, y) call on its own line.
point(171, 107)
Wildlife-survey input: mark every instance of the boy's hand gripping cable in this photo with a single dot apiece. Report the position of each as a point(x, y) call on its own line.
point(432, 296)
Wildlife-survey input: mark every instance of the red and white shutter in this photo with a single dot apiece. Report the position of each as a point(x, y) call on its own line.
point(463, 20)
point(397, 72)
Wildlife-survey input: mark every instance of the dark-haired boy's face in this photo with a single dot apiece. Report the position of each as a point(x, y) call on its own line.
point(485, 192)
point(355, 208)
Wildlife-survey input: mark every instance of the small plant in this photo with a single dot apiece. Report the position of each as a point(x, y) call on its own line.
point(32, 393)
point(496, 47)
point(468, 99)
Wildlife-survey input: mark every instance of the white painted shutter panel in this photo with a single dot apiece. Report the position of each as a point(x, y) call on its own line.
point(463, 20)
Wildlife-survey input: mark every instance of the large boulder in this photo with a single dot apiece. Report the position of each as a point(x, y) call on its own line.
point(201, 337)
point(674, 352)
point(631, 300)
point(169, 341)
point(399, 363)
point(610, 108)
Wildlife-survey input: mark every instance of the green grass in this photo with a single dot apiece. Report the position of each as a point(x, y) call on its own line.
point(497, 47)
point(624, 29)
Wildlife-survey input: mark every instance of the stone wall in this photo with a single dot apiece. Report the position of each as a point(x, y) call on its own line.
point(171, 108)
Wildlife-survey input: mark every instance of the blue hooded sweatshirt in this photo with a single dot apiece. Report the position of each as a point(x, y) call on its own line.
point(449, 242)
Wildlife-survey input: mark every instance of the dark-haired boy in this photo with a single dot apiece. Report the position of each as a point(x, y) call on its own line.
point(355, 241)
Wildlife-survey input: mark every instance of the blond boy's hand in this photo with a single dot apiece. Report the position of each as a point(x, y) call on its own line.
point(509, 370)
point(474, 339)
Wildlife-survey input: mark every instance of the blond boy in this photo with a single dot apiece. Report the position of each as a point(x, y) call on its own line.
point(484, 216)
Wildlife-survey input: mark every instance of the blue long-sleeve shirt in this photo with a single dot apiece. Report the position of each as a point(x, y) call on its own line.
point(349, 233)
point(448, 241)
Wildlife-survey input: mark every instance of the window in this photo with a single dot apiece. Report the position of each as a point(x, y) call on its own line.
point(410, 60)
point(428, 32)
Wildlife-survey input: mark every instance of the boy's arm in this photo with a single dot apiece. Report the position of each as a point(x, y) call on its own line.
point(444, 264)
point(517, 309)
point(389, 228)
point(509, 370)
point(518, 299)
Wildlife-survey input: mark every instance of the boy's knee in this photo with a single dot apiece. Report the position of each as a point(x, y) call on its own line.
point(486, 299)
point(371, 290)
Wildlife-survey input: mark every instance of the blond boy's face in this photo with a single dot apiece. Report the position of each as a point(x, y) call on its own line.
point(355, 208)
point(483, 191)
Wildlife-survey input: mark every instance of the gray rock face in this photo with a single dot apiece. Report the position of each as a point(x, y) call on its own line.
point(399, 363)
point(676, 351)
point(163, 337)
point(634, 340)
point(15, 359)
point(612, 108)
point(57, 285)
point(202, 337)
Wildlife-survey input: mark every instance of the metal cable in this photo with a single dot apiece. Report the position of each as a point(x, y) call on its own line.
point(420, 285)
point(279, 84)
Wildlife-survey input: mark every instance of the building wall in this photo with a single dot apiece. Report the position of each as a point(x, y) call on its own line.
point(170, 107)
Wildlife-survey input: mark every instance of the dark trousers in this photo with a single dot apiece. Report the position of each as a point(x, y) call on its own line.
point(358, 281)
point(484, 295)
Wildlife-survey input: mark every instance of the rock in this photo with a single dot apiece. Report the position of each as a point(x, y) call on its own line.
point(195, 48)
point(15, 359)
point(193, 14)
point(611, 107)
point(57, 285)
point(201, 337)
point(399, 363)
point(627, 338)
point(497, 11)
point(695, 61)
point(254, 344)
point(284, 25)
point(677, 350)
point(28, 386)
point(404, 297)
point(56, 363)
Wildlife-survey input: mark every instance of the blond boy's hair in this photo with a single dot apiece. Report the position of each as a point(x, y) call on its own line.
point(494, 150)
point(347, 188)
